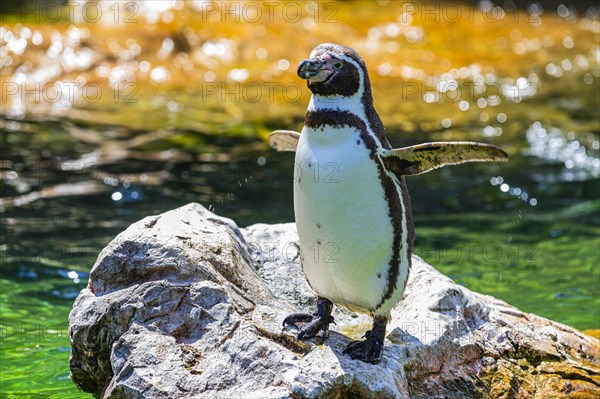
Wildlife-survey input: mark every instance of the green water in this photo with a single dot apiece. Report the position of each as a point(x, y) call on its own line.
point(75, 175)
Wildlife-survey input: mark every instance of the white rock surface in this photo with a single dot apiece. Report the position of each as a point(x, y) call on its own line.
point(186, 305)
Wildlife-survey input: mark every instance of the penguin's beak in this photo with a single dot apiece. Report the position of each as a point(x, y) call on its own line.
point(314, 70)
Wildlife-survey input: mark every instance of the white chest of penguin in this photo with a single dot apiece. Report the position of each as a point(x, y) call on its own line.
point(342, 217)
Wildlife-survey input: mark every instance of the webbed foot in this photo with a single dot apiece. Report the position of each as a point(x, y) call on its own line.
point(317, 324)
point(369, 350)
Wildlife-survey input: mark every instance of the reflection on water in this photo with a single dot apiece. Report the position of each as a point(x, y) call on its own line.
point(557, 147)
point(159, 103)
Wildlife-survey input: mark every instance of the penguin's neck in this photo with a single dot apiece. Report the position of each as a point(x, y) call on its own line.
point(352, 104)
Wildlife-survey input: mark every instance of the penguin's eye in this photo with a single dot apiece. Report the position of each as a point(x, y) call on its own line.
point(337, 65)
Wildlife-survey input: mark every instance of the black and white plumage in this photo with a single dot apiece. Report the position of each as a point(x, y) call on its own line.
point(351, 201)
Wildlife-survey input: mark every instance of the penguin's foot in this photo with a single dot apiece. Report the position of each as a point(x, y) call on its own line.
point(315, 323)
point(369, 350)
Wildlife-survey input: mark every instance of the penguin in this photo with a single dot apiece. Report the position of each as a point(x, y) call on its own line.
point(351, 201)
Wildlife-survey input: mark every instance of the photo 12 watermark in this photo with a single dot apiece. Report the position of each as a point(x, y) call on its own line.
point(269, 11)
point(74, 11)
point(33, 335)
point(132, 12)
point(501, 254)
point(468, 11)
point(69, 91)
point(263, 92)
point(468, 93)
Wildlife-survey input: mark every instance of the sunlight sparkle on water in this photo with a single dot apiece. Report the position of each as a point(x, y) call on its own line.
point(283, 64)
point(210, 76)
point(221, 49)
point(430, 97)
point(491, 131)
point(495, 181)
point(521, 89)
point(555, 145)
point(384, 69)
point(238, 74)
point(159, 74)
point(144, 66)
point(261, 53)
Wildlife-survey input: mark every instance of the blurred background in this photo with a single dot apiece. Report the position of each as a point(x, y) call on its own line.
point(115, 110)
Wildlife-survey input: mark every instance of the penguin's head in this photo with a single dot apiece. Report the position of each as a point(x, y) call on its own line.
point(333, 70)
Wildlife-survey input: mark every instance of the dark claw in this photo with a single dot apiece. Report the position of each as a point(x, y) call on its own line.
point(315, 323)
point(297, 318)
point(312, 329)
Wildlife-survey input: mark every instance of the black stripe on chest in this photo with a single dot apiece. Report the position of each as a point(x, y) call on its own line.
point(337, 119)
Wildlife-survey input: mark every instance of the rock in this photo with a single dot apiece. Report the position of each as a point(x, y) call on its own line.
point(186, 305)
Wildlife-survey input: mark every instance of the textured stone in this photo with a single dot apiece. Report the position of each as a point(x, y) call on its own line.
point(186, 305)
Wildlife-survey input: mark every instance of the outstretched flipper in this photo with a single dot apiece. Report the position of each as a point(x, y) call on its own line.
point(422, 158)
point(284, 140)
point(369, 350)
point(315, 323)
